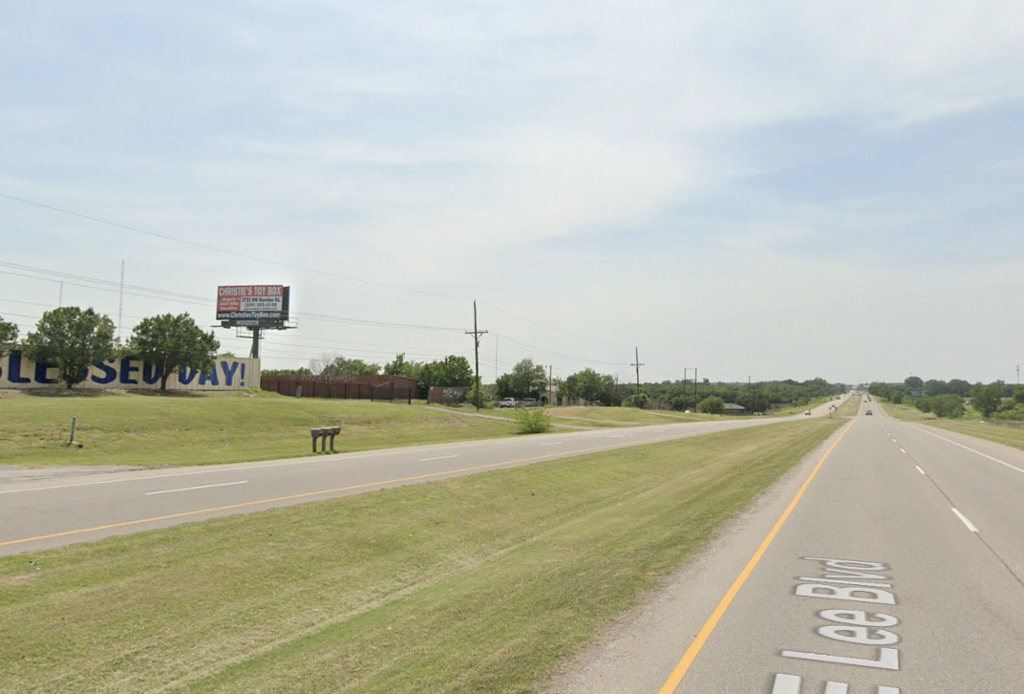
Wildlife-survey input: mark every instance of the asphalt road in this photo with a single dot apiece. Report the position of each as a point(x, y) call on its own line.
point(48, 513)
point(899, 569)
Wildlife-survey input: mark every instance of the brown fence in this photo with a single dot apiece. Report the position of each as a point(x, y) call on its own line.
point(386, 388)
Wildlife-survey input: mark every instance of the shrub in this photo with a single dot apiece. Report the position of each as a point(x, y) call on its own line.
point(1015, 415)
point(532, 420)
point(948, 406)
point(639, 400)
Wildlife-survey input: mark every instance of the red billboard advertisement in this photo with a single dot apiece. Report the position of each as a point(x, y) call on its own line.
point(252, 304)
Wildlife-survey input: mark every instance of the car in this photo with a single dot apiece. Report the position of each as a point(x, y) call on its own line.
point(508, 402)
point(867, 412)
point(807, 413)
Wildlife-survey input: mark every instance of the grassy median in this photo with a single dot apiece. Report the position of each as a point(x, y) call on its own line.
point(477, 584)
point(972, 424)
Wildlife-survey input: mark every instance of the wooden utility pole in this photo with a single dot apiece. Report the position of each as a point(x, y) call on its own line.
point(476, 351)
point(637, 364)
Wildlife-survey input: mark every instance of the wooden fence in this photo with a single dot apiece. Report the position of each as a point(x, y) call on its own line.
point(374, 388)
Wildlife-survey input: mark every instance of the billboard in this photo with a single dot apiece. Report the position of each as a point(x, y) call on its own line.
point(228, 373)
point(252, 305)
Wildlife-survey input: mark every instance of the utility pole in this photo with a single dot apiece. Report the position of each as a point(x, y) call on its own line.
point(550, 370)
point(476, 351)
point(120, 303)
point(637, 365)
point(695, 386)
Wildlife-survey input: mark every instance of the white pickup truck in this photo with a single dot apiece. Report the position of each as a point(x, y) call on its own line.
point(508, 402)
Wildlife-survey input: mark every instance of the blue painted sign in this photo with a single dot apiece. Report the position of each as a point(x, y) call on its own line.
point(228, 373)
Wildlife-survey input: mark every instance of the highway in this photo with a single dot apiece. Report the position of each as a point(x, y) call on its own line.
point(892, 562)
point(48, 513)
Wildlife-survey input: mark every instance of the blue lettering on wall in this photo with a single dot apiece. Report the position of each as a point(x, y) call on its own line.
point(229, 371)
point(210, 378)
point(14, 368)
point(126, 372)
point(151, 373)
point(109, 372)
point(186, 375)
point(243, 376)
point(41, 367)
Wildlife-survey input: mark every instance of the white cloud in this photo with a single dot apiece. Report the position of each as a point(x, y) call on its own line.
point(446, 146)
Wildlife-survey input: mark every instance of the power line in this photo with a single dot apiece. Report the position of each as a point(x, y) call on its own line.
point(168, 237)
point(548, 327)
point(542, 350)
point(150, 293)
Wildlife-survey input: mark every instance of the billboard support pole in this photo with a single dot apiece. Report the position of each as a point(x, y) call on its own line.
point(254, 353)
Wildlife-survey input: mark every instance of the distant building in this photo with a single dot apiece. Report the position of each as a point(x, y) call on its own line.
point(734, 410)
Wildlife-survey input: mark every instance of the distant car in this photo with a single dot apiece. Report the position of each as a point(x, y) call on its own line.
point(868, 412)
point(807, 413)
point(508, 402)
point(529, 402)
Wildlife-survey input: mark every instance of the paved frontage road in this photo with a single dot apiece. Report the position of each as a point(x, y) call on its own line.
point(47, 513)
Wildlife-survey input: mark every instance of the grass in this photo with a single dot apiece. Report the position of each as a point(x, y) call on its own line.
point(203, 429)
point(476, 584)
point(1009, 434)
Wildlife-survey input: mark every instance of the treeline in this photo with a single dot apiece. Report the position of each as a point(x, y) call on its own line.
point(950, 399)
point(527, 379)
point(760, 396)
point(452, 371)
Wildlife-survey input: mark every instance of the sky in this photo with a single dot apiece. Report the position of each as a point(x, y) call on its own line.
point(745, 189)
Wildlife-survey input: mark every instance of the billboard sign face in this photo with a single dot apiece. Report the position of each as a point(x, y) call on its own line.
point(255, 305)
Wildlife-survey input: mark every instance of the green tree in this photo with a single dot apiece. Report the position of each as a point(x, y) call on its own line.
point(170, 342)
point(358, 367)
point(329, 368)
point(958, 386)
point(399, 367)
point(301, 371)
point(526, 380)
point(590, 386)
point(913, 384)
point(404, 367)
point(1018, 395)
point(72, 340)
point(455, 372)
point(8, 336)
point(986, 399)
point(753, 401)
point(712, 405)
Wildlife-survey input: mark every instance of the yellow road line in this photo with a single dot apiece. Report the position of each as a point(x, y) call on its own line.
point(306, 495)
point(694, 650)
